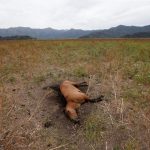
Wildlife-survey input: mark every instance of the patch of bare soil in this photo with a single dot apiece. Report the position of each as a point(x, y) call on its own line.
point(35, 119)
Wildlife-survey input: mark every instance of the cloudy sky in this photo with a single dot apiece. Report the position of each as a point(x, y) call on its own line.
point(65, 14)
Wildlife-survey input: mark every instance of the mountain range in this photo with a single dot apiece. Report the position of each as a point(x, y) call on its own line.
point(50, 33)
point(46, 33)
point(119, 32)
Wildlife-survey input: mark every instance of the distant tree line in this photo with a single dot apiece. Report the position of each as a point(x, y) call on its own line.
point(16, 37)
point(138, 35)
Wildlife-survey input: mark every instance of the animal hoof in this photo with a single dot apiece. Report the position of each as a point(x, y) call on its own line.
point(76, 121)
point(47, 124)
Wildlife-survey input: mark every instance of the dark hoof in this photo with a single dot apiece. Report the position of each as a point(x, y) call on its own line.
point(76, 121)
point(47, 124)
point(102, 96)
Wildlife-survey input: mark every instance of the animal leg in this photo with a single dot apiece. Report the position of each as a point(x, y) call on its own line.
point(94, 100)
point(78, 84)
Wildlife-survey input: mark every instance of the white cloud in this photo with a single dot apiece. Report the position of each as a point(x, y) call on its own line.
point(63, 14)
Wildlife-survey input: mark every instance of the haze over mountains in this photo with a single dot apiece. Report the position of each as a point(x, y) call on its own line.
point(118, 32)
point(50, 33)
point(46, 33)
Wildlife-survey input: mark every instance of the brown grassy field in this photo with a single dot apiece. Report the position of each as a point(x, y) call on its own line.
point(33, 119)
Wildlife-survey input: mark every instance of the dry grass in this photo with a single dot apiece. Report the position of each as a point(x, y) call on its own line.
point(122, 69)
